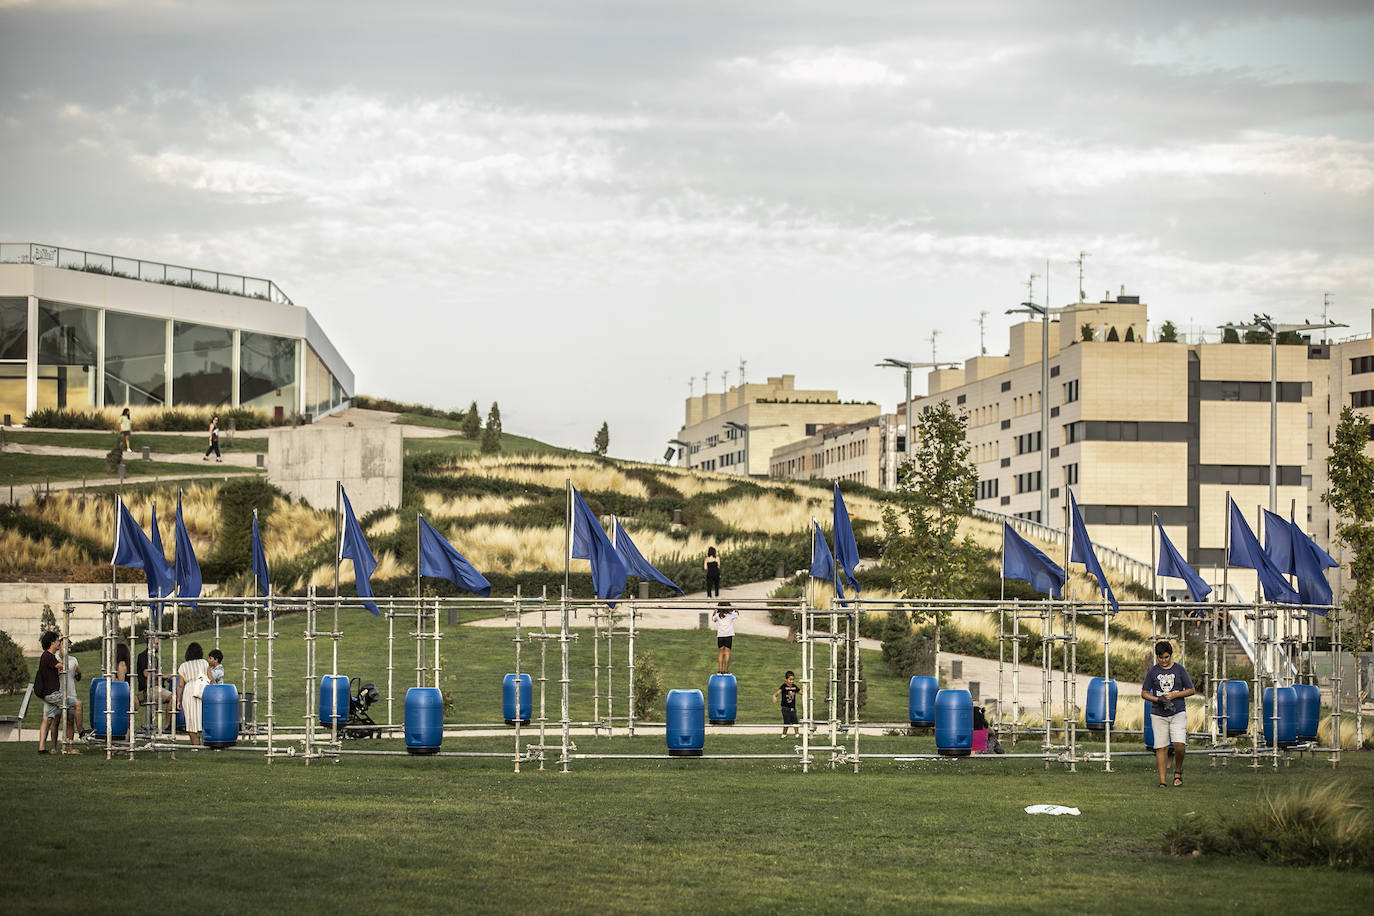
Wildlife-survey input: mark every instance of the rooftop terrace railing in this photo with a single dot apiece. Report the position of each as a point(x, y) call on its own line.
point(137, 269)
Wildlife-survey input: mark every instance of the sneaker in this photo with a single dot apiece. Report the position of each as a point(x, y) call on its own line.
point(42, 750)
point(205, 458)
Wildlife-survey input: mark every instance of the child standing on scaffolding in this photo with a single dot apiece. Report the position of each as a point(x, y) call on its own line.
point(724, 617)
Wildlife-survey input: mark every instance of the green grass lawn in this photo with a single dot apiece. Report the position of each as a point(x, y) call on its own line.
point(161, 443)
point(35, 469)
point(458, 446)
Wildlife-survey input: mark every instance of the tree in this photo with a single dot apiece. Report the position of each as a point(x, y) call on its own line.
point(14, 670)
point(1111, 334)
point(1351, 497)
point(921, 543)
point(1168, 332)
point(472, 422)
point(1229, 335)
point(1256, 337)
point(491, 436)
point(1086, 333)
point(1130, 333)
point(602, 440)
point(47, 621)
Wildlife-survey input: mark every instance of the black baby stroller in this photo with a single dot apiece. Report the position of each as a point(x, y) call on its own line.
point(360, 724)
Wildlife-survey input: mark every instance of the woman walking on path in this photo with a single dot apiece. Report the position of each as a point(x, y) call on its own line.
point(126, 427)
point(712, 567)
point(214, 440)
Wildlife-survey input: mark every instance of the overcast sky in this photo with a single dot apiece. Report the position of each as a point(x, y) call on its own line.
point(580, 208)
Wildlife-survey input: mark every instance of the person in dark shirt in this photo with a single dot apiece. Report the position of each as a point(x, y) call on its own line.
point(163, 695)
point(48, 685)
point(788, 694)
point(1167, 687)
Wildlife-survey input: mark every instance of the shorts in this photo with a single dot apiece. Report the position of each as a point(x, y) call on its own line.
point(725, 642)
point(789, 715)
point(52, 705)
point(1169, 729)
point(163, 695)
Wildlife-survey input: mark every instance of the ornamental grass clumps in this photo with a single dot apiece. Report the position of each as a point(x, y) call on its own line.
point(1307, 825)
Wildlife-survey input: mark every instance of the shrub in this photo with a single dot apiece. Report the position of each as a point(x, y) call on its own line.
point(233, 541)
point(114, 458)
point(52, 418)
point(648, 686)
point(14, 670)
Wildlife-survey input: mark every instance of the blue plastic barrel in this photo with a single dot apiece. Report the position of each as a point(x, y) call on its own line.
point(1101, 709)
point(1286, 701)
point(954, 723)
point(333, 700)
point(722, 694)
point(508, 698)
point(119, 702)
point(219, 715)
point(172, 684)
point(921, 700)
point(685, 716)
point(1233, 707)
point(424, 720)
point(1309, 710)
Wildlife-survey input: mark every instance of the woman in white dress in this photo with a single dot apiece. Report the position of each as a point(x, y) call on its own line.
point(192, 676)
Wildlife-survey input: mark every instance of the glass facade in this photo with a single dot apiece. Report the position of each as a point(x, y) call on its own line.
point(135, 360)
point(14, 344)
point(267, 373)
point(68, 354)
point(322, 392)
point(202, 364)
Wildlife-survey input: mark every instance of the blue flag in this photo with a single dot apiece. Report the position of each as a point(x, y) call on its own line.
point(163, 589)
point(187, 567)
point(589, 542)
point(440, 560)
point(260, 561)
point(1278, 542)
point(133, 549)
point(1082, 552)
point(635, 563)
point(1171, 563)
point(354, 547)
point(822, 562)
point(846, 548)
point(1244, 551)
point(1023, 560)
point(1313, 589)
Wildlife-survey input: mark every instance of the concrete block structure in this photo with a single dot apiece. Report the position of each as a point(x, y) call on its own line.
point(307, 462)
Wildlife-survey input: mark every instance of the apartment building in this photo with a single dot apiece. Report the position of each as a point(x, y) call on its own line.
point(852, 451)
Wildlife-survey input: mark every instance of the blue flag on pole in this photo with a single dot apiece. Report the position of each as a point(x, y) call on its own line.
point(163, 589)
point(440, 560)
point(822, 562)
point(187, 567)
point(1023, 560)
point(1278, 542)
point(1244, 551)
point(1082, 552)
point(133, 549)
point(846, 548)
point(589, 542)
point(634, 561)
point(354, 547)
point(260, 561)
point(1313, 589)
point(1171, 563)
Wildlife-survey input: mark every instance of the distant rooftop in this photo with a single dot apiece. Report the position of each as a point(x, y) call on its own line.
point(214, 281)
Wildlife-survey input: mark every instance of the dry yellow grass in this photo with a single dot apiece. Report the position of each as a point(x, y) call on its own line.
point(388, 567)
point(768, 514)
point(553, 472)
point(384, 525)
point(437, 506)
point(18, 553)
point(94, 519)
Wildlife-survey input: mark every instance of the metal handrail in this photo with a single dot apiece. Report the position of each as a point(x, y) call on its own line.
point(214, 281)
point(1131, 569)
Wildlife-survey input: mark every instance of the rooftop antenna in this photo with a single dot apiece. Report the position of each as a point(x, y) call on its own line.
point(1326, 304)
point(982, 333)
point(741, 371)
point(724, 380)
point(706, 383)
point(1030, 287)
point(691, 385)
point(935, 332)
point(1082, 296)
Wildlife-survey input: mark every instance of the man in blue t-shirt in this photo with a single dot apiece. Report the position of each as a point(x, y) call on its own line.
point(1167, 687)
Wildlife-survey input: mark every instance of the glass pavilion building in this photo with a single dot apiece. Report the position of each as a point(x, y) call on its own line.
point(82, 330)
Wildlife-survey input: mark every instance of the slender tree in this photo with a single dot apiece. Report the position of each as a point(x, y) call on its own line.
point(1087, 332)
point(472, 422)
point(1168, 332)
point(602, 440)
point(1229, 335)
point(491, 436)
point(1351, 496)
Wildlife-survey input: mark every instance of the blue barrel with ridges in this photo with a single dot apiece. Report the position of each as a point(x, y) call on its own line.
point(1233, 707)
point(424, 720)
point(219, 715)
point(333, 700)
point(1309, 710)
point(685, 715)
point(722, 695)
point(954, 723)
point(172, 684)
point(1100, 712)
point(508, 698)
point(1149, 727)
point(119, 702)
point(921, 700)
point(1285, 699)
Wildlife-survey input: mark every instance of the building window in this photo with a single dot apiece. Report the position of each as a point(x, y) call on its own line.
point(1054, 371)
point(1071, 475)
point(1071, 391)
point(1028, 482)
point(961, 399)
point(1006, 386)
point(1028, 442)
point(67, 346)
point(202, 364)
point(267, 372)
point(1074, 432)
point(987, 489)
point(1361, 364)
point(135, 360)
point(1362, 399)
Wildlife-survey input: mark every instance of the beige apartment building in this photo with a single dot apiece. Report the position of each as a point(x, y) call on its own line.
point(852, 451)
point(737, 430)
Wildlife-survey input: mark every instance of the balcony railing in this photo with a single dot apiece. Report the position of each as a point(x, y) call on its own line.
point(136, 269)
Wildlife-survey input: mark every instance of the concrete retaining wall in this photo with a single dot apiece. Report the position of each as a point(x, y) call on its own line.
point(307, 461)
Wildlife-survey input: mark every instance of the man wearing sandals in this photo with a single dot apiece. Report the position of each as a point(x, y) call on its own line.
point(1167, 687)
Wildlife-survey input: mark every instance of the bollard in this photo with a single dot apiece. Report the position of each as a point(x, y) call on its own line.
point(145, 453)
point(956, 669)
point(782, 571)
point(973, 688)
point(453, 617)
point(261, 462)
point(704, 622)
point(677, 516)
point(643, 590)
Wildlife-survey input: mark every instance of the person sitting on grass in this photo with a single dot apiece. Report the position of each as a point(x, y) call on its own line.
point(1167, 687)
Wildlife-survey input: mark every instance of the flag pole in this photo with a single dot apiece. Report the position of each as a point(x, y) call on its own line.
point(419, 517)
point(567, 535)
point(1154, 556)
point(338, 534)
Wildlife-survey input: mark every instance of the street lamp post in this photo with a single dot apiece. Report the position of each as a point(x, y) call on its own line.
point(907, 366)
point(744, 428)
point(1274, 329)
point(687, 450)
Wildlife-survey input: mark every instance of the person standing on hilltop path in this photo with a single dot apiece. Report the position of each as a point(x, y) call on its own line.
point(126, 427)
point(214, 440)
point(712, 567)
